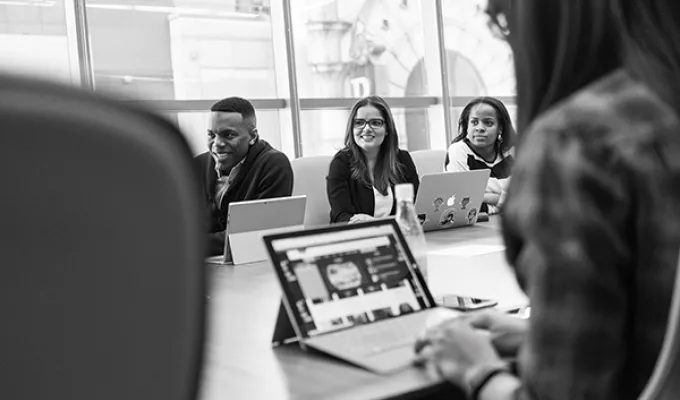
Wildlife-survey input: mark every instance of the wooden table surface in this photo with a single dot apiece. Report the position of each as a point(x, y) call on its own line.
point(243, 304)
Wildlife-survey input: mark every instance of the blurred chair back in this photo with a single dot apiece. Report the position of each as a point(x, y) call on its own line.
point(101, 252)
point(429, 161)
point(664, 383)
point(310, 179)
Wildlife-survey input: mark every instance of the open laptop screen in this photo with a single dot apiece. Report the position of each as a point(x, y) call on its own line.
point(335, 278)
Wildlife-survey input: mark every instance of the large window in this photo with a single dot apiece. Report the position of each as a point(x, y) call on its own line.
point(179, 56)
point(352, 48)
point(347, 49)
point(478, 62)
point(181, 50)
point(185, 50)
point(34, 41)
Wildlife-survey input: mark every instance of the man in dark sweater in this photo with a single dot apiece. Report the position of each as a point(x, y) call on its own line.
point(238, 166)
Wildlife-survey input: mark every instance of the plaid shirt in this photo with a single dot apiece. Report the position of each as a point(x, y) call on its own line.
point(592, 227)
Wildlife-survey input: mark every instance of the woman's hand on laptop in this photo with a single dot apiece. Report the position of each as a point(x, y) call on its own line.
point(360, 218)
point(455, 351)
point(507, 332)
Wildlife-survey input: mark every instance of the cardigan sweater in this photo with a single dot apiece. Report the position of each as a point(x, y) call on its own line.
point(348, 196)
point(265, 173)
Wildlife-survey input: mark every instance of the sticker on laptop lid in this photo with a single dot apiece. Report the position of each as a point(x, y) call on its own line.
point(472, 216)
point(437, 204)
point(448, 217)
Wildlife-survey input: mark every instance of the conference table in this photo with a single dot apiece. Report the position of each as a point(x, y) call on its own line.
point(243, 303)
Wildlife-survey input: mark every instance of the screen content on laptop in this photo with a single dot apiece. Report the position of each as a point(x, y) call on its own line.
point(346, 277)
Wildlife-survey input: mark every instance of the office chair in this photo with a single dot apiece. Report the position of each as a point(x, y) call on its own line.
point(310, 179)
point(664, 383)
point(101, 250)
point(429, 161)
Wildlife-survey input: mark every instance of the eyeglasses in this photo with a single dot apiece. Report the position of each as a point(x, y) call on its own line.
point(375, 123)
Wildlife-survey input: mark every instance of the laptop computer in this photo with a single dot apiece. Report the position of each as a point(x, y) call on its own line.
point(248, 221)
point(448, 200)
point(354, 292)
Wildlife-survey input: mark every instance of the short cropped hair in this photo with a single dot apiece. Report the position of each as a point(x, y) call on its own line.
point(237, 105)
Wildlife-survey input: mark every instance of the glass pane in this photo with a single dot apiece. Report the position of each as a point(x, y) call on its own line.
point(182, 49)
point(412, 127)
point(478, 62)
point(353, 48)
point(33, 39)
point(195, 124)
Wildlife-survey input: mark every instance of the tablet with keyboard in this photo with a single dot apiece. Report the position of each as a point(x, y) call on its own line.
point(354, 292)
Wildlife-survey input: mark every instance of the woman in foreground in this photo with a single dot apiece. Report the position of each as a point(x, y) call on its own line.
point(591, 223)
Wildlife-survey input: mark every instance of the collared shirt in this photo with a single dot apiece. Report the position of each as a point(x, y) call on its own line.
point(223, 182)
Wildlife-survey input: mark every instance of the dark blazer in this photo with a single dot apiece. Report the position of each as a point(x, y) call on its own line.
point(348, 196)
point(266, 173)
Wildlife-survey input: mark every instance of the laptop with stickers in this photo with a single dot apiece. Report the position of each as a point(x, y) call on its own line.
point(448, 200)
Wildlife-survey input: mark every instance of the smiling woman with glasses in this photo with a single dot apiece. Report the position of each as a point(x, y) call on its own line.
point(362, 175)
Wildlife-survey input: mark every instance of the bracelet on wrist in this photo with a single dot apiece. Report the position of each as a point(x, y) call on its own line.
point(482, 376)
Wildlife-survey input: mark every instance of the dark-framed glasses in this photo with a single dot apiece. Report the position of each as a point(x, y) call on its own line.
point(375, 123)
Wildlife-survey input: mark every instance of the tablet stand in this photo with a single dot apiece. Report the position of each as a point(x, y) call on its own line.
point(283, 330)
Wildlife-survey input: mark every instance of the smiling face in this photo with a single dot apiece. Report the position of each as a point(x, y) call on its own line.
point(369, 128)
point(482, 129)
point(229, 138)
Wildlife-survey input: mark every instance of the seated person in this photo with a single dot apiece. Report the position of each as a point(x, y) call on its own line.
point(592, 223)
point(361, 176)
point(485, 137)
point(238, 166)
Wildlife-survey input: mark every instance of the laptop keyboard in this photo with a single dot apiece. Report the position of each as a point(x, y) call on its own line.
point(378, 337)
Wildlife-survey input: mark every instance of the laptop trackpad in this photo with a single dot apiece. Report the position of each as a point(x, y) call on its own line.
point(390, 361)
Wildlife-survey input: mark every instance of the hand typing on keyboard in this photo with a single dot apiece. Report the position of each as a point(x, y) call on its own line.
point(437, 317)
point(452, 348)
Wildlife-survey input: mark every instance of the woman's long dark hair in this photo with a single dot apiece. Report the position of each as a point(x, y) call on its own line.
point(559, 47)
point(506, 131)
point(388, 171)
point(650, 37)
